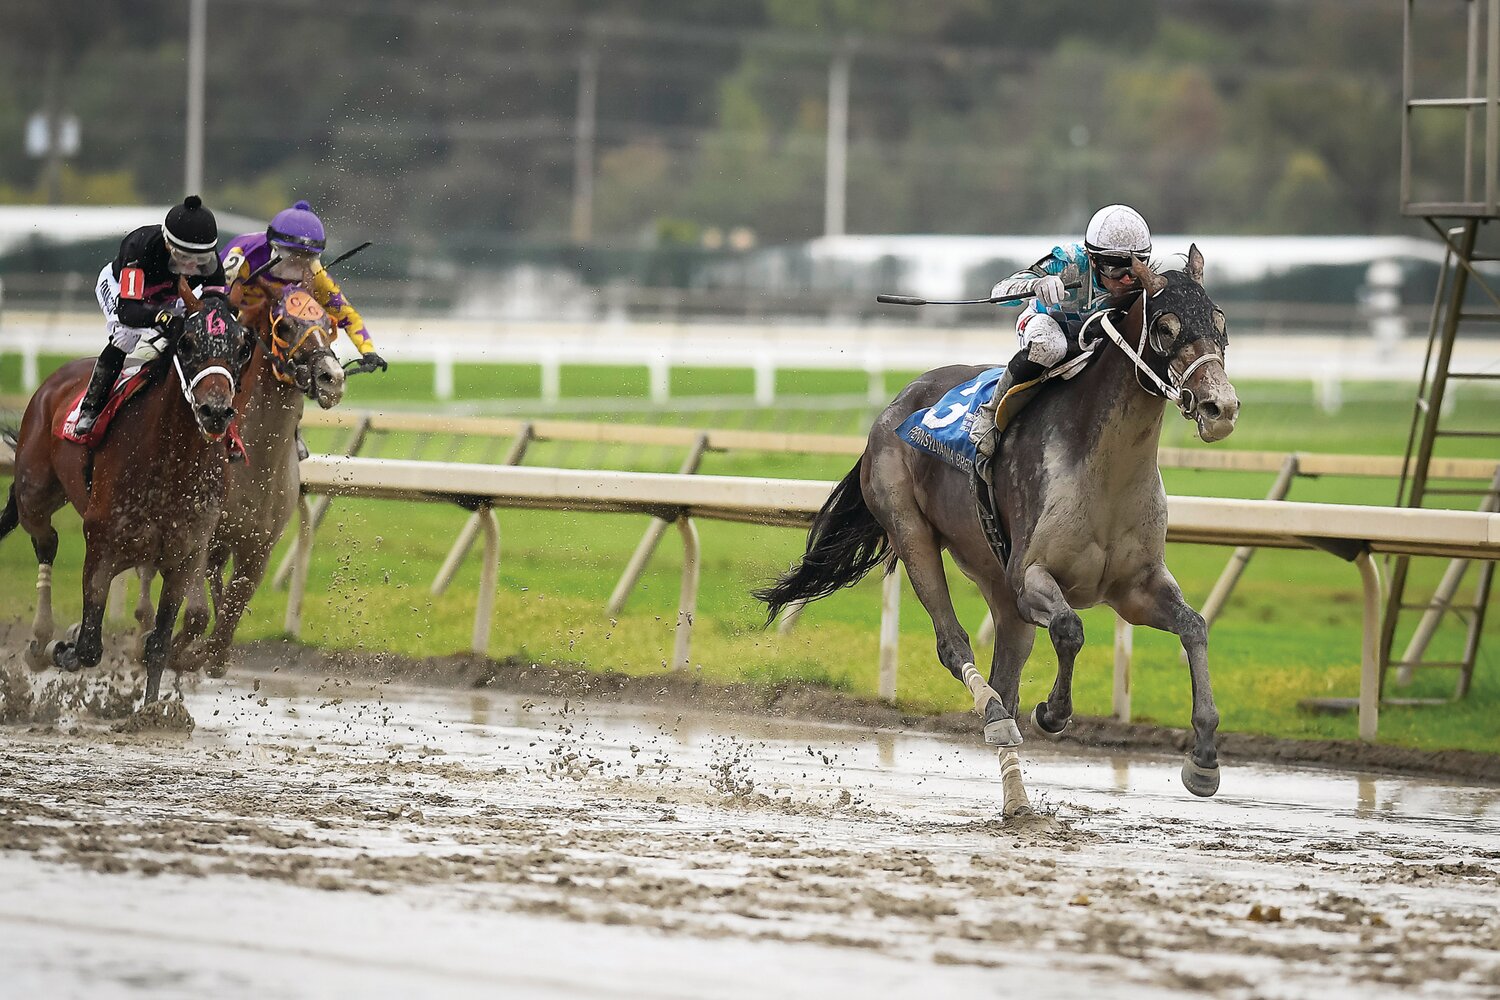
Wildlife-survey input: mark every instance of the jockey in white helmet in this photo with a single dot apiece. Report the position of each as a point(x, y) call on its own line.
point(1099, 267)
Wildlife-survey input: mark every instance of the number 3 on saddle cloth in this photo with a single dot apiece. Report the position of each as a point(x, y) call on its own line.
point(944, 430)
point(130, 382)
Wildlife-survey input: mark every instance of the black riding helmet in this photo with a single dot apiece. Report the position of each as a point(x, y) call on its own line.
point(192, 237)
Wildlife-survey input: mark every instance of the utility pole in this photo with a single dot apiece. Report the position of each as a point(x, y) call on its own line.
point(52, 111)
point(192, 180)
point(836, 180)
point(583, 145)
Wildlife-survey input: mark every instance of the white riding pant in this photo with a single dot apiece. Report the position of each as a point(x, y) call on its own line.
point(1044, 339)
point(140, 344)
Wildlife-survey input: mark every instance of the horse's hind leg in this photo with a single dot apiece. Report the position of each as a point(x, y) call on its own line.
point(1042, 603)
point(919, 550)
point(1158, 603)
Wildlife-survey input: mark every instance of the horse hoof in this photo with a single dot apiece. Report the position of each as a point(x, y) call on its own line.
point(216, 669)
point(1201, 781)
point(38, 656)
point(1002, 733)
point(64, 656)
point(1043, 731)
point(71, 635)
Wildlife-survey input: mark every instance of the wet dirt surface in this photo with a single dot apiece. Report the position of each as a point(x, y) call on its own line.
point(306, 835)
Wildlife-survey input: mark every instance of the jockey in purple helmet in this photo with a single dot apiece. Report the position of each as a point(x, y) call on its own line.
point(295, 236)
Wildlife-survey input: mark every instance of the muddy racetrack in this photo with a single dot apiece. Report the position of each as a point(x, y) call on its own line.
point(309, 827)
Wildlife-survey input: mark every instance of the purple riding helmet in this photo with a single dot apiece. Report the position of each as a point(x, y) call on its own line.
point(296, 236)
point(297, 229)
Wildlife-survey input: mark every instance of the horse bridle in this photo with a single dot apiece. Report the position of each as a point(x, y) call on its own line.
point(1177, 392)
point(188, 385)
point(282, 349)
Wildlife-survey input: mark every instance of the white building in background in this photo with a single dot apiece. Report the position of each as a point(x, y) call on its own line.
point(943, 266)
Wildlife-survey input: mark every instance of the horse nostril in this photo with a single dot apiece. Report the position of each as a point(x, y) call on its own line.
point(1210, 409)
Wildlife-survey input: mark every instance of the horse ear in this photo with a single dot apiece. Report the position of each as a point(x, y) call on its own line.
point(1195, 264)
point(193, 303)
point(1149, 279)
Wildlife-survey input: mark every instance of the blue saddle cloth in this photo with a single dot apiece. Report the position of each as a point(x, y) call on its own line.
point(943, 429)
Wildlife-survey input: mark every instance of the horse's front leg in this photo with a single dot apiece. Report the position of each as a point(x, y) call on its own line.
point(88, 650)
point(174, 584)
point(1042, 603)
point(923, 557)
point(1158, 603)
point(231, 604)
point(145, 614)
point(39, 655)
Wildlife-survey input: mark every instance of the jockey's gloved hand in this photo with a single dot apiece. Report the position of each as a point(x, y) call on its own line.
point(168, 323)
point(1049, 291)
point(372, 362)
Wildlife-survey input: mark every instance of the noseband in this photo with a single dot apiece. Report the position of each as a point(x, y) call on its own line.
point(299, 306)
point(1177, 391)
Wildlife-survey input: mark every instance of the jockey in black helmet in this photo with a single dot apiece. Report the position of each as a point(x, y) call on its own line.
point(138, 293)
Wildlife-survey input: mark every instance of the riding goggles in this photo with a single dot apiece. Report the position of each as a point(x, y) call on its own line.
point(194, 263)
point(1115, 265)
point(293, 264)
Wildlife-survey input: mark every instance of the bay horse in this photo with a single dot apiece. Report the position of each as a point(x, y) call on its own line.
point(149, 493)
point(293, 359)
point(1078, 490)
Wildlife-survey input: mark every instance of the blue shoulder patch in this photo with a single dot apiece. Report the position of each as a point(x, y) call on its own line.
point(943, 430)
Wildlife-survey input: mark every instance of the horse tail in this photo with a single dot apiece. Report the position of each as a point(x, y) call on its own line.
point(844, 543)
point(10, 436)
point(11, 516)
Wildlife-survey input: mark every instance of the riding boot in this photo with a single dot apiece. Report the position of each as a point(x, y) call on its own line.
point(1021, 369)
point(106, 370)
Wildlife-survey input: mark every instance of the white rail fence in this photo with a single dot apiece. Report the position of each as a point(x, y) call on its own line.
point(1352, 532)
point(1349, 531)
point(764, 349)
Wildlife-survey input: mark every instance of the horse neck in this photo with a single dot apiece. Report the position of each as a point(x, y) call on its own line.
point(270, 409)
point(1122, 420)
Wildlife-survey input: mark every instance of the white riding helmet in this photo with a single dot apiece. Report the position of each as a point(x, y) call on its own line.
point(1118, 230)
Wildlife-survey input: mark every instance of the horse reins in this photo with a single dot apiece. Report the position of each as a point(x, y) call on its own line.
point(1176, 393)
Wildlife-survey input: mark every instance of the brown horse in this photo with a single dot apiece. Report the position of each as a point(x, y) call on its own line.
point(293, 359)
point(1078, 491)
point(149, 494)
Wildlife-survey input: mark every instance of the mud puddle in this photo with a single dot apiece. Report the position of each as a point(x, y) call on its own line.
point(330, 831)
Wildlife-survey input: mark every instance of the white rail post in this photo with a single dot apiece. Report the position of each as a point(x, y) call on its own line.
point(489, 578)
point(765, 380)
point(1124, 649)
point(687, 605)
point(319, 508)
point(442, 373)
point(117, 597)
point(293, 623)
point(470, 530)
point(30, 377)
point(551, 379)
point(649, 541)
point(661, 379)
point(791, 616)
point(890, 631)
point(1369, 678)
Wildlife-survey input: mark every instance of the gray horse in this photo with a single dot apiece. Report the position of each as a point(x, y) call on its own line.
point(1077, 490)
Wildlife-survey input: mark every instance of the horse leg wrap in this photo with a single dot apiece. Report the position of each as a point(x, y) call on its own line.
point(41, 626)
point(999, 728)
point(1012, 787)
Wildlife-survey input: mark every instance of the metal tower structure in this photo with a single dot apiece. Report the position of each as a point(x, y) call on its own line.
point(1428, 617)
